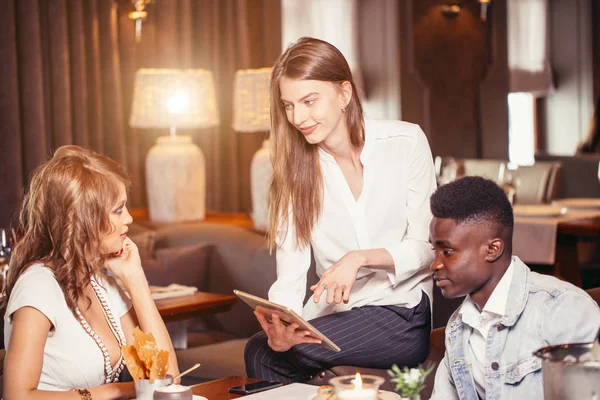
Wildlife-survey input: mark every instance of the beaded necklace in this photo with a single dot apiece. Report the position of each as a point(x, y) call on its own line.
point(110, 374)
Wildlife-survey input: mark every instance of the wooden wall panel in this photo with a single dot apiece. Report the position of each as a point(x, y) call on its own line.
point(493, 91)
point(414, 96)
point(445, 66)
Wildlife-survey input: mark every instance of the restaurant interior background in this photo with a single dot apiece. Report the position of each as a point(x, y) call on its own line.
point(487, 80)
point(69, 68)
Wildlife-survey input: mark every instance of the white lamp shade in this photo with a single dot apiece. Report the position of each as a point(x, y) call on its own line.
point(181, 98)
point(251, 100)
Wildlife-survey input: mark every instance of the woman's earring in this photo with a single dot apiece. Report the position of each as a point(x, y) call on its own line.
point(343, 109)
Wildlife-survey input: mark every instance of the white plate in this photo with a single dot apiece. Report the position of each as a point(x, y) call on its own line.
point(196, 397)
point(383, 395)
point(538, 210)
point(579, 204)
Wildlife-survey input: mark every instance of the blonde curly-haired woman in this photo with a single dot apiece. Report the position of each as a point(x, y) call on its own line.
point(66, 320)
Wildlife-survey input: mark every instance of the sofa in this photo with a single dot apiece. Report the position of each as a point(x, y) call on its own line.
point(220, 258)
point(215, 258)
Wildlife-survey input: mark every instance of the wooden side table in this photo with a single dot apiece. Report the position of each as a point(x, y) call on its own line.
point(200, 303)
point(174, 311)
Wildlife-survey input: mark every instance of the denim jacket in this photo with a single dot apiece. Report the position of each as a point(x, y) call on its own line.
point(541, 311)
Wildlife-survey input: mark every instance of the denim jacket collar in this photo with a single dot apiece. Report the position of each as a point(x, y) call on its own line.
point(519, 288)
point(517, 298)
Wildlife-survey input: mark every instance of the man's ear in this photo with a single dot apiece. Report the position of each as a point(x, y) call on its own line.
point(495, 249)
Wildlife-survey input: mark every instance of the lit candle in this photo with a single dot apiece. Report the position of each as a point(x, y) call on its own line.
point(358, 392)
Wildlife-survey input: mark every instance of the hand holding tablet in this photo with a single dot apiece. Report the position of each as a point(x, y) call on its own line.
point(269, 310)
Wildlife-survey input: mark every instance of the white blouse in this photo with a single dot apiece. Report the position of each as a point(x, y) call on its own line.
point(71, 357)
point(392, 212)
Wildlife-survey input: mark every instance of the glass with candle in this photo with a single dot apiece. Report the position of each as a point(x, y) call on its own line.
point(357, 387)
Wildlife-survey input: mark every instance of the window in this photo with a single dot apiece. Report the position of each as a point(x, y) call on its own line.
point(521, 128)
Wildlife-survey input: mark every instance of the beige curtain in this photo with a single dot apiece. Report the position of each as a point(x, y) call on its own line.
point(335, 21)
point(67, 77)
point(528, 50)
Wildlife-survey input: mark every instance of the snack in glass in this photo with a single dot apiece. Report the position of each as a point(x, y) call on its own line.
point(147, 364)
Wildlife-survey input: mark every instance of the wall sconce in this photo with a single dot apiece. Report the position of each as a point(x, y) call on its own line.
point(484, 7)
point(450, 10)
point(138, 15)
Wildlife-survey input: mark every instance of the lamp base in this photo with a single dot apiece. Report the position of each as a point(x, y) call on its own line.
point(176, 180)
point(261, 172)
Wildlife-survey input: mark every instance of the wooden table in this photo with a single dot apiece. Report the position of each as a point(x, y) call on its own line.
point(185, 307)
point(567, 264)
point(218, 389)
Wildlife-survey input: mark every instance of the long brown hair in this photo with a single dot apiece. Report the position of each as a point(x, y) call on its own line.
point(297, 184)
point(64, 216)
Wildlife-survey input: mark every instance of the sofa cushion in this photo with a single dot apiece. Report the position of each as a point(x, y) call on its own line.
point(139, 227)
point(240, 260)
point(144, 240)
point(203, 338)
point(182, 265)
point(218, 359)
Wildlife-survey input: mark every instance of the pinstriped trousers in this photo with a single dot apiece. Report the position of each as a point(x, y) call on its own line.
point(370, 337)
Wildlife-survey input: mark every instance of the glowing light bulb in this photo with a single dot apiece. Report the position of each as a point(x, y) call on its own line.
point(177, 103)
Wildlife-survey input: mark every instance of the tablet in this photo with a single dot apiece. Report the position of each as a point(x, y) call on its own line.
point(287, 317)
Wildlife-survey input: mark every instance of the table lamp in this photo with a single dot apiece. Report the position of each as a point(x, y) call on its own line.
point(175, 166)
point(251, 113)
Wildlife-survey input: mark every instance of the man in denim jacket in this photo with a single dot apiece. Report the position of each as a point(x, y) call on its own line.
point(509, 311)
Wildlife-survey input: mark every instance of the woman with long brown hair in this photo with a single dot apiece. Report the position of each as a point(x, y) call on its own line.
point(355, 191)
point(66, 319)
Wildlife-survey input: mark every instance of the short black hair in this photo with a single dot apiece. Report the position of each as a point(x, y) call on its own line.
point(472, 198)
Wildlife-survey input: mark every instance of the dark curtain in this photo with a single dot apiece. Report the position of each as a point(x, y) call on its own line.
point(67, 76)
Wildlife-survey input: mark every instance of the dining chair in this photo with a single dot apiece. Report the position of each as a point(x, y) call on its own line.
point(485, 168)
point(539, 183)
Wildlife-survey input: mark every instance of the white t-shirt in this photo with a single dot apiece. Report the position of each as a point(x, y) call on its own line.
point(392, 212)
point(71, 357)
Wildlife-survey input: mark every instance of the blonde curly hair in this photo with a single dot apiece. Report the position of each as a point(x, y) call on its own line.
point(64, 216)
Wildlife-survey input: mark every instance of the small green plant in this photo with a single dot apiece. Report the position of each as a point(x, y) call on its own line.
point(409, 382)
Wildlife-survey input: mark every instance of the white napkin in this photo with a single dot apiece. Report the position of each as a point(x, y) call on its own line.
point(173, 290)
